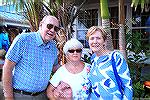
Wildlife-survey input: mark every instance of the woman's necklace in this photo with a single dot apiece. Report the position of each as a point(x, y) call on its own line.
point(75, 68)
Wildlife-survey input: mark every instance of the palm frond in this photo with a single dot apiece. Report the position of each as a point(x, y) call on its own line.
point(142, 3)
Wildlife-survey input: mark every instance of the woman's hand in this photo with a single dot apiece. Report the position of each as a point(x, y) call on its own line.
point(63, 91)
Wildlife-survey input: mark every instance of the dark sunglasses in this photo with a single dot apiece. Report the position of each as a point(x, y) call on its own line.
point(50, 26)
point(77, 51)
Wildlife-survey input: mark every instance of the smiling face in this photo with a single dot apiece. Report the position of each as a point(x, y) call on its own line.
point(74, 55)
point(96, 36)
point(48, 33)
point(96, 41)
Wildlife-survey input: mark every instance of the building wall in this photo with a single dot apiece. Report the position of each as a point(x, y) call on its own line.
point(130, 18)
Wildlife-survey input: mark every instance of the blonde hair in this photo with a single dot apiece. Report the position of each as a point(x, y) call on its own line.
point(93, 29)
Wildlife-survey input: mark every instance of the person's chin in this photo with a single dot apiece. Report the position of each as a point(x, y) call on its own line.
point(94, 49)
point(50, 38)
point(47, 40)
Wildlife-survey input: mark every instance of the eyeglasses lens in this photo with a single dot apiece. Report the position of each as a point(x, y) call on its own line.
point(50, 26)
point(77, 50)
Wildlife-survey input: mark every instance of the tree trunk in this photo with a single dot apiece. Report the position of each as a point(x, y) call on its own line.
point(122, 41)
point(106, 23)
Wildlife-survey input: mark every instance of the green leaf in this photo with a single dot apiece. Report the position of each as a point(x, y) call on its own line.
point(104, 9)
point(142, 4)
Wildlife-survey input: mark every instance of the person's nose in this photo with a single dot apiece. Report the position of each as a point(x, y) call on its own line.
point(94, 40)
point(75, 52)
point(52, 29)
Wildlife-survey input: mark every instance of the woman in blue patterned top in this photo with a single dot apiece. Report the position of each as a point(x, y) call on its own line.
point(103, 78)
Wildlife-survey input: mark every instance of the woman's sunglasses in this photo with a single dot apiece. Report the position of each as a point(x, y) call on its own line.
point(77, 51)
point(50, 26)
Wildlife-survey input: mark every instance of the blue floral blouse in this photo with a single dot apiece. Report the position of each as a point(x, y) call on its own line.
point(103, 80)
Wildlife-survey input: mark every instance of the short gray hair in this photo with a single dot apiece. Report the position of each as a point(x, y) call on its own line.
point(71, 44)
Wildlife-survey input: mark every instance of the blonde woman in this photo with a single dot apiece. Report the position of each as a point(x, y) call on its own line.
point(109, 74)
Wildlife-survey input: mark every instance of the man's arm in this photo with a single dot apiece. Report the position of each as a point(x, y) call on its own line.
point(7, 79)
point(55, 67)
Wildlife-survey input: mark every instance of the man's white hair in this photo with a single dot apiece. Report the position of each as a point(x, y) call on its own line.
point(72, 44)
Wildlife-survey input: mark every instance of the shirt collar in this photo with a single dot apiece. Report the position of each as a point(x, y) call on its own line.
point(40, 41)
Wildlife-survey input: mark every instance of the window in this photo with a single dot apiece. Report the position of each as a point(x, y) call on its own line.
point(114, 26)
point(86, 19)
point(114, 18)
point(142, 25)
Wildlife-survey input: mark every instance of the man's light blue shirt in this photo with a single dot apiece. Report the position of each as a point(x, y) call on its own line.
point(34, 61)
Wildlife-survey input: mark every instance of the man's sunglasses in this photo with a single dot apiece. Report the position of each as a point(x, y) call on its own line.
point(77, 51)
point(50, 26)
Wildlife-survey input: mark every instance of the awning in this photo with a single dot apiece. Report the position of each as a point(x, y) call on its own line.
point(13, 19)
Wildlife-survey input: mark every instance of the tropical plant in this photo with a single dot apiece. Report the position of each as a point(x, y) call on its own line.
point(66, 12)
point(106, 23)
point(32, 10)
point(136, 52)
point(35, 10)
point(144, 4)
point(138, 89)
point(87, 58)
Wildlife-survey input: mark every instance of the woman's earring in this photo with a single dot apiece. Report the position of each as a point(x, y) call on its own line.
point(103, 45)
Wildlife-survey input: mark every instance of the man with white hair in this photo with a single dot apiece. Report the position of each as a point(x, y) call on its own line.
point(29, 62)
